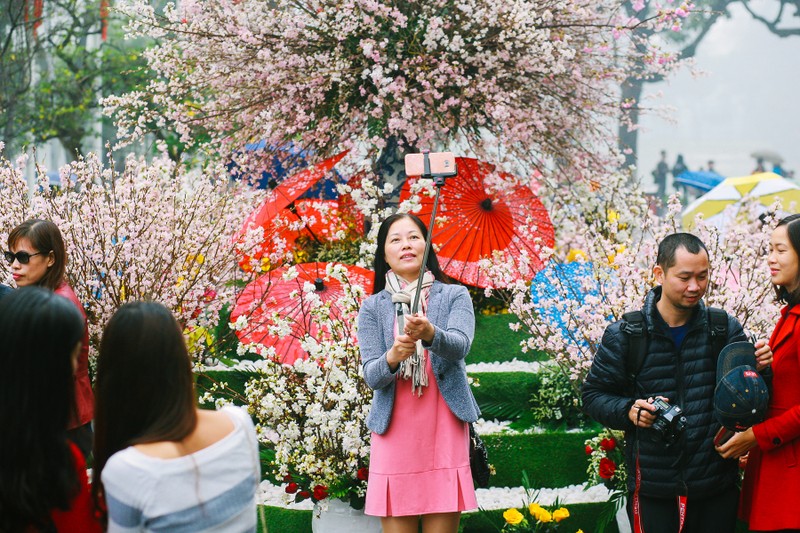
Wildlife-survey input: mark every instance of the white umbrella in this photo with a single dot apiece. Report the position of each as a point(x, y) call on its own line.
point(764, 187)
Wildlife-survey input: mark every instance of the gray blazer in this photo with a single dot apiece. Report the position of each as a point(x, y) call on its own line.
point(451, 313)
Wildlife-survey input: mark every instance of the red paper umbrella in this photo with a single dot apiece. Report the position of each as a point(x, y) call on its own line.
point(271, 296)
point(472, 224)
point(275, 204)
point(290, 190)
point(317, 220)
point(323, 218)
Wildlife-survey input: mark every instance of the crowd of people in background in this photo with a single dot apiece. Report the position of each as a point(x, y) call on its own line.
point(663, 170)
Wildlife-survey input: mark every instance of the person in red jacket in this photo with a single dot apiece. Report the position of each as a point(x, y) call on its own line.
point(43, 481)
point(771, 489)
point(38, 257)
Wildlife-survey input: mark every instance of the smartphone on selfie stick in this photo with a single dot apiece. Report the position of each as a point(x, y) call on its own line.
point(436, 166)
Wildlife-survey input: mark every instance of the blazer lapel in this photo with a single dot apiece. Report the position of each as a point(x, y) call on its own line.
point(434, 308)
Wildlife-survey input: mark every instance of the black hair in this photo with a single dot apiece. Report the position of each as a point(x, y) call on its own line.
point(144, 390)
point(46, 238)
point(381, 267)
point(793, 231)
point(668, 248)
point(39, 332)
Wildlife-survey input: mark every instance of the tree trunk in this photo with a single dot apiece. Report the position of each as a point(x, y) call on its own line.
point(628, 138)
point(390, 168)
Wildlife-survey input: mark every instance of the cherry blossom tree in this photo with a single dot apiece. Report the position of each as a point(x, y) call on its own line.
point(518, 81)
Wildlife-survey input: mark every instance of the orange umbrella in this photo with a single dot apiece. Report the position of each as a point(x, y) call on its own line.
point(323, 219)
point(271, 296)
point(290, 190)
point(277, 200)
point(478, 223)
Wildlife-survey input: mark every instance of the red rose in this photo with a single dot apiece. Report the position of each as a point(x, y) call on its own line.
point(607, 468)
point(589, 450)
point(291, 488)
point(304, 494)
point(287, 477)
point(320, 492)
point(608, 444)
point(363, 473)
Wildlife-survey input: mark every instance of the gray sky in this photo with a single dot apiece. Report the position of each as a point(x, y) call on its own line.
point(747, 100)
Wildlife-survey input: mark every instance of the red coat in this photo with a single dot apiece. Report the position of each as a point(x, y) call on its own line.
point(771, 490)
point(81, 515)
point(84, 397)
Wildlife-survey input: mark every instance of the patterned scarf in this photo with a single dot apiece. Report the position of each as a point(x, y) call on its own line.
point(403, 296)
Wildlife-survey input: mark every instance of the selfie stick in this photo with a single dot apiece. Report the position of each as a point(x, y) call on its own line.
point(438, 181)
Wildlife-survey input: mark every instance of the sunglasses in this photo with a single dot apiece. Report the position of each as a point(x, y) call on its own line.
point(22, 257)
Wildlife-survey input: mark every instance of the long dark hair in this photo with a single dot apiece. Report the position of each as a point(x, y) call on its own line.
point(39, 331)
point(793, 231)
point(46, 238)
point(145, 389)
point(381, 267)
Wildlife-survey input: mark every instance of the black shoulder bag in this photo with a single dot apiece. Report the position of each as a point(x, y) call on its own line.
point(478, 459)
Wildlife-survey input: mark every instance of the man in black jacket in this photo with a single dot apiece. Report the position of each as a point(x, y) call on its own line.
point(683, 476)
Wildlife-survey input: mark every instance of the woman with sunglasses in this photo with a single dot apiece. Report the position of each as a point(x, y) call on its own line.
point(44, 485)
point(37, 257)
point(160, 463)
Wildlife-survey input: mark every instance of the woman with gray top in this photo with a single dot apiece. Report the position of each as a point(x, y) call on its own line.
point(419, 458)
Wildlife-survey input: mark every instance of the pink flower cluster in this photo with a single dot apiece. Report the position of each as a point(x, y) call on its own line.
point(531, 80)
point(153, 231)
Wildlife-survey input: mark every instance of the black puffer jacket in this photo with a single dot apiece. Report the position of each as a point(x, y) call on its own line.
point(686, 377)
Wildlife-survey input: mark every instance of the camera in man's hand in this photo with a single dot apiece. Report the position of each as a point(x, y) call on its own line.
point(669, 421)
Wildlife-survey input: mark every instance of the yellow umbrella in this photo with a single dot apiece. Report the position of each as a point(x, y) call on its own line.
point(764, 187)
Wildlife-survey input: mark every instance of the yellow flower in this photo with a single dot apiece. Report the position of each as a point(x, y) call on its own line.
point(613, 256)
point(513, 517)
point(560, 514)
point(579, 531)
point(612, 216)
point(539, 513)
point(198, 338)
point(575, 255)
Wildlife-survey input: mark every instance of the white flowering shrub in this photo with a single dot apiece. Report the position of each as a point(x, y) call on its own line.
point(317, 407)
point(534, 80)
point(153, 232)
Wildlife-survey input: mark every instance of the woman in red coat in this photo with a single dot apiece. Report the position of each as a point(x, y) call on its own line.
point(771, 491)
point(37, 257)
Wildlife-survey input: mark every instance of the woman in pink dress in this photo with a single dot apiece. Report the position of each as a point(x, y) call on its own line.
point(419, 458)
point(37, 257)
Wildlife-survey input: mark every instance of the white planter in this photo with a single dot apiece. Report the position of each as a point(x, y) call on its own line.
point(339, 517)
point(623, 524)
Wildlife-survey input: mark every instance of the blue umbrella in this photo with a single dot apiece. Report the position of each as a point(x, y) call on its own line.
point(285, 161)
point(560, 287)
point(703, 180)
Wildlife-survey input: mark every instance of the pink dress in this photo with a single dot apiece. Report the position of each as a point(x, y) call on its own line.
point(421, 464)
